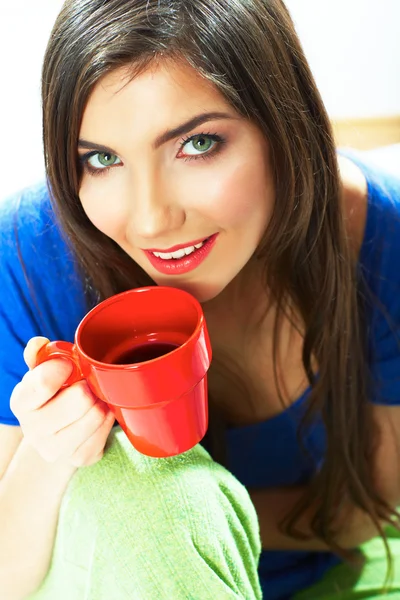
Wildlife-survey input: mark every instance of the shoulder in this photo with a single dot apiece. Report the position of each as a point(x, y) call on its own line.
point(372, 207)
point(371, 203)
point(354, 199)
point(29, 233)
point(38, 267)
point(25, 216)
point(31, 199)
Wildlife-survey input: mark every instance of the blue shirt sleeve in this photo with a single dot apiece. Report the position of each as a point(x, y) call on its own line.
point(41, 293)
point(380, 267)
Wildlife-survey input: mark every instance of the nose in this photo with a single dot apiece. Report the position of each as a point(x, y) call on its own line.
point(153, 214)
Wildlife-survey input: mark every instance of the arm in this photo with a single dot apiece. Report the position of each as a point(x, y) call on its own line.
point(60, 431)
point(273, 504)
point(31, 491)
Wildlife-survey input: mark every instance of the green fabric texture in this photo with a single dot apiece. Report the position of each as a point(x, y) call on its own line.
point(133, 527)
point(140, 528)
point(344, 582)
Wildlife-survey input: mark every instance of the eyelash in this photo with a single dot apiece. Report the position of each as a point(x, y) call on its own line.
point(84, 159)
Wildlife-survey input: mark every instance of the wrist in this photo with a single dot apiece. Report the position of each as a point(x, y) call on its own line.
point(56, 475)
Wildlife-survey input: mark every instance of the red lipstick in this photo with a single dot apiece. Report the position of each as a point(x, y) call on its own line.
point(179, 266)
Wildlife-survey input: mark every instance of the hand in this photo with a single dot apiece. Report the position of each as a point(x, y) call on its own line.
point(70, 425)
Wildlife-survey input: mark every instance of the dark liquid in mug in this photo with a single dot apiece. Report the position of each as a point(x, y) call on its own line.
point(148, 351)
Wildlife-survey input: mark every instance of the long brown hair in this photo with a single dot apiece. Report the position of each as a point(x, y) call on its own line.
point(250, 51)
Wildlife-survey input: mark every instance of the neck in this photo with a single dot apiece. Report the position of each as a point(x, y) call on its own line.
point(242, 305)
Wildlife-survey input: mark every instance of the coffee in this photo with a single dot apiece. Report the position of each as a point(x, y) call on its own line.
point(143, 352)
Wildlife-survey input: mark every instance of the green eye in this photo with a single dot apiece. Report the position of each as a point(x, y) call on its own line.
point(103, 160)
point(107, 159)
point(200, 144)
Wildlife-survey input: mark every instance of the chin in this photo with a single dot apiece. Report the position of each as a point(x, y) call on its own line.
point(201, 290)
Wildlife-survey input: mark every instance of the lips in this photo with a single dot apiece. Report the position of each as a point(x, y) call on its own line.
point(175, 248)
point(185, 264)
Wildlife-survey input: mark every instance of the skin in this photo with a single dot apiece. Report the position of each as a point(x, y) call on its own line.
point(156, 197)
point(159, 197)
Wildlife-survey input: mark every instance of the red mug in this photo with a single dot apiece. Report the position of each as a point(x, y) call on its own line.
point(146, 353)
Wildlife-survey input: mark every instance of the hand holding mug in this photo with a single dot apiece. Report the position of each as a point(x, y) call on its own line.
point(62, 424)
point(145, 353)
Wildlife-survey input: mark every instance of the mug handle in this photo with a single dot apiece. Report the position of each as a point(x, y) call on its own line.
point(62, 350)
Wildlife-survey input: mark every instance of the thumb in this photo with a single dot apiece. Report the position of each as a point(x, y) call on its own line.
point(32, 348)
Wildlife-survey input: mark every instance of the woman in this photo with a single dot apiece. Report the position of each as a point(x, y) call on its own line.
point(167, 124)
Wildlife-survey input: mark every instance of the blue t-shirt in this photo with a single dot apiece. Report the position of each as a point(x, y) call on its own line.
point(262, 455)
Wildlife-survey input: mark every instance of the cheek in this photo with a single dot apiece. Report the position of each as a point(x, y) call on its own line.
point(236, 195)
point(99, 203)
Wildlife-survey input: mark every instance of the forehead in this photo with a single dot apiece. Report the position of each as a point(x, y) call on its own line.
point(164, 88)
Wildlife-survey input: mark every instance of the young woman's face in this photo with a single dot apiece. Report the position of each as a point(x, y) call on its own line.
point(168, 164)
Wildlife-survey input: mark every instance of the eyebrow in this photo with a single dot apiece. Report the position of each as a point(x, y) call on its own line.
point(168, 135)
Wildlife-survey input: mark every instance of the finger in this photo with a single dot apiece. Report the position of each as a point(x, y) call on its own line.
point(92, 449)
point(64, 444)
point(67, 407)
point(41, 384)
point(94, 460)
point(32, 348)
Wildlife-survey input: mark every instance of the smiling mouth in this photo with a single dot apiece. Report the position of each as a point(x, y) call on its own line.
point(182, 260)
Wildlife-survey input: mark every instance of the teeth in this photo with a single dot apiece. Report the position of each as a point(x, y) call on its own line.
point(165, 256)
point(188, 251)
point(179, 253)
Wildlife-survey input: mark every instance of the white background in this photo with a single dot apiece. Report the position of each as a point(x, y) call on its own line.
point(352, 45)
